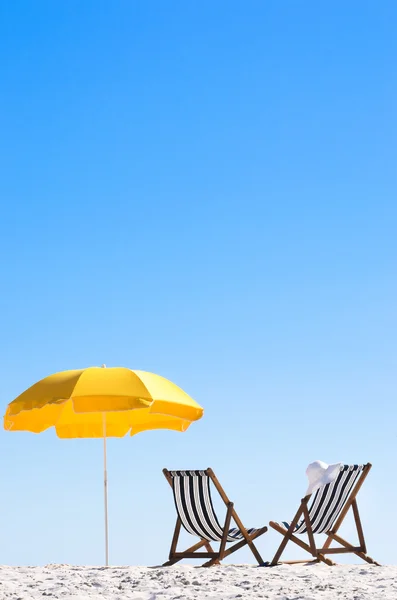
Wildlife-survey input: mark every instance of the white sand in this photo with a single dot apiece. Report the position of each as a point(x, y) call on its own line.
point(315, 582)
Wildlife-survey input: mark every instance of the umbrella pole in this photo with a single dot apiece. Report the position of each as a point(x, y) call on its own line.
point(105, 485)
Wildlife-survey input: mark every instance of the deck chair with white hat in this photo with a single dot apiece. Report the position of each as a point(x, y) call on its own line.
point(332, 490)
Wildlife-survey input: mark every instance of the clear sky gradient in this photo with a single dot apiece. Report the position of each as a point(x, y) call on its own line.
point(206, 190)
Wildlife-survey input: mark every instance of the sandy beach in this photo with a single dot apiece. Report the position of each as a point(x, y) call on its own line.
point(315, 582)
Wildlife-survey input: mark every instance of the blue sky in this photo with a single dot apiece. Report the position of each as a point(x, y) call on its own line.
point(206, 191)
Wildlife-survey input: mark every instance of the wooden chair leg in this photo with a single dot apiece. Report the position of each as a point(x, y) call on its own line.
point(310, 532)
point(225, 530)
point(248, 538)
point(175, 538)
point(172, 561)
point(172, 558)
point(255, 551)
point(281, 547)
point(237, 546)
point(298, 542)
point(361, 552)
point(250, 544)
point(287, 535)
point(342, 542)
point(359, 527)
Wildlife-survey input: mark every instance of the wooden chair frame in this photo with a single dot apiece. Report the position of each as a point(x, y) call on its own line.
point(319, 554)
point(213, 556)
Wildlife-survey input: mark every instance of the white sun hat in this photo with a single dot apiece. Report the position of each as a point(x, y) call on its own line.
point(319, 474)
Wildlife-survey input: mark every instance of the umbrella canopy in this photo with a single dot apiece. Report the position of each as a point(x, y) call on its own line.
point(76, 403)
point(100, 403)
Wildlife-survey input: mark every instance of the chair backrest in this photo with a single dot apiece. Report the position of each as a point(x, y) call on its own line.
point(193, 502)
point(330, 499)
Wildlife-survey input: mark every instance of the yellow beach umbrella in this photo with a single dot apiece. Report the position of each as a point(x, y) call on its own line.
point(100, 403)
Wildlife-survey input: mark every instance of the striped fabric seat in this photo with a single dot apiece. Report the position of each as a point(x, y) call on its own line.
point(193, 502)
point(329, 501)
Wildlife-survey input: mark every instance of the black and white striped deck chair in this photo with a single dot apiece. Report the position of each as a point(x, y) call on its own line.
point(327, 511)
point(195, 512)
